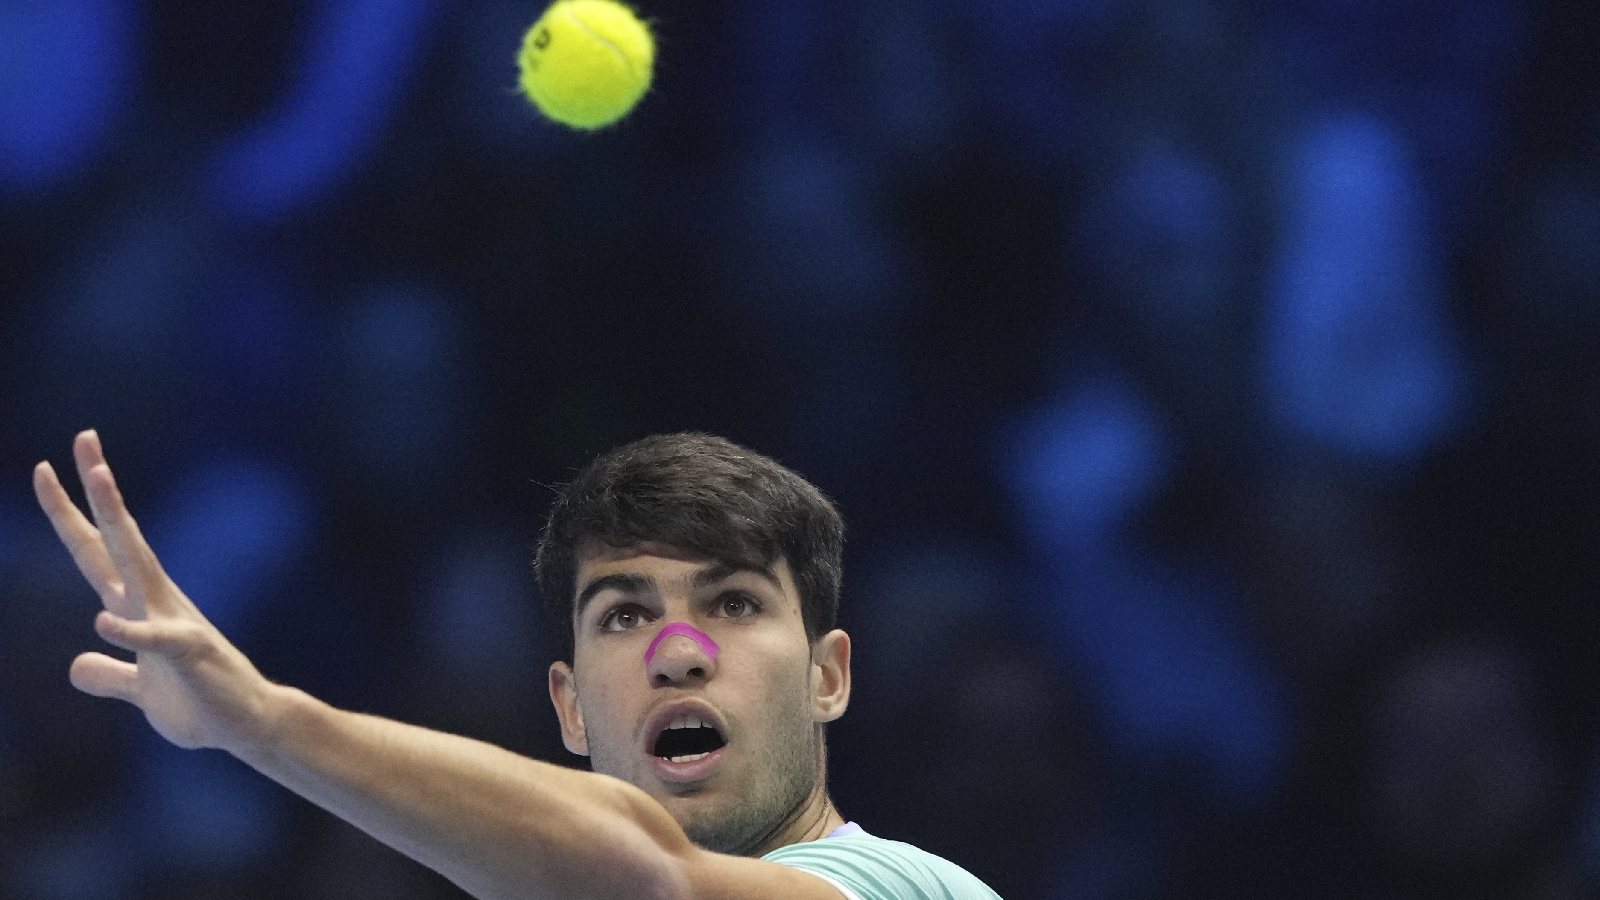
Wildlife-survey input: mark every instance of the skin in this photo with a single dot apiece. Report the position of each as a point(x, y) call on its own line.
point(771, 688)
point(497, 824)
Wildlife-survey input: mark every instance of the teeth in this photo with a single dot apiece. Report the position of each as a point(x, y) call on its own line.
point(686, 721)
point(690, 758)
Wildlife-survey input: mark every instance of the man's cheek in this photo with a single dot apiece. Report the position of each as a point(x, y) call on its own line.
point(601, 722)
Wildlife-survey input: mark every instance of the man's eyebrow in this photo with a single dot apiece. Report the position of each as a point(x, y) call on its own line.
point(627, 583)
point(633, 583)
point(720, 570)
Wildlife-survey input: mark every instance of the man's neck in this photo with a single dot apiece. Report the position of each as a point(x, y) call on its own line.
point(816, 820)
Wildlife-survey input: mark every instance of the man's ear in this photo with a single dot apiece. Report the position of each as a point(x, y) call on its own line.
point(830, 676)
point(564, 695)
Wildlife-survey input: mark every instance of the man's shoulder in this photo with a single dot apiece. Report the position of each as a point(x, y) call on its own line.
point(873, 868)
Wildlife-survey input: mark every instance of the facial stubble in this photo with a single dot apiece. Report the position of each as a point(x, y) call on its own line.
point(782, 777)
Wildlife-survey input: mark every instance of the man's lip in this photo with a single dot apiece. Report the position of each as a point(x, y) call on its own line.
point(666, 712)
point(688, 772)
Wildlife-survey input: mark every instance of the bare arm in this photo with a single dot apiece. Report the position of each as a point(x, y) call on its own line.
point(496, 823)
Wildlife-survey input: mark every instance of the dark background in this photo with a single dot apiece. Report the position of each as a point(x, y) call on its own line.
point(1210, 388)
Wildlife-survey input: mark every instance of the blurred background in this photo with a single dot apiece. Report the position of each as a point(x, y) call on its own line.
point(1210, 387)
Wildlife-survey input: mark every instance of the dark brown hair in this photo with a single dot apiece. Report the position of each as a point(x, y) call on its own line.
point(704, 495)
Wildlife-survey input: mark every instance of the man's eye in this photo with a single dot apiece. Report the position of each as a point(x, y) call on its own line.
point(622, 618)
point(737, 607)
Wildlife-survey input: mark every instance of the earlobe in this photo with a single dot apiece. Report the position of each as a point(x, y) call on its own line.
point(564, 696)
point(830, 676)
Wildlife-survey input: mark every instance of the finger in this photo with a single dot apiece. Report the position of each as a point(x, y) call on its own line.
point(144, 636)
point(145, 583)
point(78, 534)
point(87, 451)
point(103, 676)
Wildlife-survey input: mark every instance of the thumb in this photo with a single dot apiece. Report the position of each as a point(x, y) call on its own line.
point(102, 676)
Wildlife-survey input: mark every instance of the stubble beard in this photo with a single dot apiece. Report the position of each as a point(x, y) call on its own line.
point(780, 784)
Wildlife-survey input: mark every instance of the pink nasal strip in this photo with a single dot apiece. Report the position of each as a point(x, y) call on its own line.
point(688, 631)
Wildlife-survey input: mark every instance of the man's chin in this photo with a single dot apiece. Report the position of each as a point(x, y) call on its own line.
point(720, 832)
point(714, 819)
point(731, 822)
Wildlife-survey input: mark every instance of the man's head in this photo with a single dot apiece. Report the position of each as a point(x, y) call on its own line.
point(706, 496)
point(720, 718)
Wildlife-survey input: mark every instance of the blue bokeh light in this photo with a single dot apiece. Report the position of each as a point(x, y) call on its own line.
point(360, 59)
point(203, 813)
point(230, 529)
point(1083, 467)
point(67, 71)
point(1162, 232)
point(1360, 354)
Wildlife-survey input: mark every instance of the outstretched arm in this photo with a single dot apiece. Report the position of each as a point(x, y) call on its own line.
point(495, 823)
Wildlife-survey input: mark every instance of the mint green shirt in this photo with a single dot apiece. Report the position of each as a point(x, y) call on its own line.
point(864, 867)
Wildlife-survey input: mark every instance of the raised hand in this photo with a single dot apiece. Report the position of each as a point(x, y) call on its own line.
point(195, 687)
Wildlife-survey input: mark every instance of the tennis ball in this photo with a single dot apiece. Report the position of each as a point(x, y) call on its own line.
point(585, 63)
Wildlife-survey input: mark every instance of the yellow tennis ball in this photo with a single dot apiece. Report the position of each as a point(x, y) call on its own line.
point(585, 63)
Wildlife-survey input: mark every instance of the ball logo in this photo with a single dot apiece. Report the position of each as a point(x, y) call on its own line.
point(585, 63)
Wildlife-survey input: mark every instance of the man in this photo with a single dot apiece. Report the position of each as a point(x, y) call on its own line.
point(700, 580)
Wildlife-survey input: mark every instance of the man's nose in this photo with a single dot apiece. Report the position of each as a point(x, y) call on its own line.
point(680, 653)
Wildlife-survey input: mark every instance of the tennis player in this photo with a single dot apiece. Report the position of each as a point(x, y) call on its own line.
point(701, 581)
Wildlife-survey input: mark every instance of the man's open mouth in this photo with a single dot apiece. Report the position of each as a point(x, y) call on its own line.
point(687, 739)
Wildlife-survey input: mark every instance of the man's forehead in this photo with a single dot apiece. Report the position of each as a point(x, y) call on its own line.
point(593, 552)
point(599, 559)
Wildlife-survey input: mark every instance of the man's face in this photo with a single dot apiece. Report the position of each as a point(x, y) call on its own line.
point(762, 695)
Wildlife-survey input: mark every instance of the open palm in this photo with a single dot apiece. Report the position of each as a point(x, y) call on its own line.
point(194, 686)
